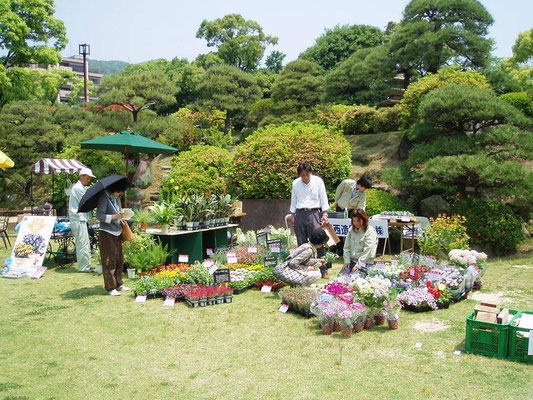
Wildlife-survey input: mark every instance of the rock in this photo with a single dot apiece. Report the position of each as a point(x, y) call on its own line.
point(136, 194)
point(144, 165)
point(404, 147)
point(527, 234)
point(144, 180)
point(433, 206)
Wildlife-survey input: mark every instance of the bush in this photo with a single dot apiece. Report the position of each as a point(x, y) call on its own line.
point(258, 111)
point(416, 91)
point(199, 170)
point(330, 115)
point(519, 100)
point(388, 118)
point(491, 224)
point(379, 200)
point(360, 120)
point(444, 234)
point(265, 164)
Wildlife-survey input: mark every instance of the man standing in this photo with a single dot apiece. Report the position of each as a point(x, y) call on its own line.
point(309, 206)
point(78, 221)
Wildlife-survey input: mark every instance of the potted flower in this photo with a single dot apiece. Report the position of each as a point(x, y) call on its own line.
point(359, 311)
point(220, 294)
point(192, 298)
point(392, 308)
point(162, 214)
point(346, 320)
point(141, 218)
point(211, 296)
point(202, 297)
point(325, 316)
point(228, 295)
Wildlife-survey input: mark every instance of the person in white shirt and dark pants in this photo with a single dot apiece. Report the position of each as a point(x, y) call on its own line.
point(309, 205)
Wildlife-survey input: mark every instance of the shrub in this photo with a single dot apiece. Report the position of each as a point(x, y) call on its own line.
point(258, 111)
point(379, 200)
point(444, 234)
point(519, 100)
point(491, 224)
point(265, 164)
point(201, 169)
point(330, 115)
point(388, 118)
point(360, 120)
point(416, 91)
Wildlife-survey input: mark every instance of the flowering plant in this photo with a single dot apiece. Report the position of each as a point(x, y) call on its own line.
point(298, 298)
point(414, 274)
point(180, 290)
point(359, 311)
point(445, 234)
point(417, 298)
point(464, 258)
point(336, 288)
point(392, 307)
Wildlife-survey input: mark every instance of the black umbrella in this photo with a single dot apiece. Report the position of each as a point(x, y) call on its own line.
point(89, 201)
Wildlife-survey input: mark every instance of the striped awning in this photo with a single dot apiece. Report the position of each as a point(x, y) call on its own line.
point(50, 165)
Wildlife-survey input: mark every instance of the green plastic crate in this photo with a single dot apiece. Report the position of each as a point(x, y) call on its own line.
point(486, 338)
point(518, 344)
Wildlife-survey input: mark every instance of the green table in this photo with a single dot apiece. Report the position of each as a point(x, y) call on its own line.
point(193, 243)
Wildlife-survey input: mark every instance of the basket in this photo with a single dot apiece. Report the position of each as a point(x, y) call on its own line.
point(518, 344)
point(487, 338)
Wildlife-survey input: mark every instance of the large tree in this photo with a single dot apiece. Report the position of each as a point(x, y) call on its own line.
point(138, 91)
point(26, 28)
point(523, 47)
point(240, 43)
point(229, 89)
point(339, 43)
point(435, 33)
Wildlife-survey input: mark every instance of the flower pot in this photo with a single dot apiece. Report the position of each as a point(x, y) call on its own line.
point(393, 323)
point(211, 301)
point(226, 221)
point(358, 327)
point(336, 327)
point(347, 332)
point(202, 302)
point(327, 329)
point(143, 226)
point(190, 226)
point(368, 323)
point(131, 273)
point(164, 229)
point(228, 299)
point(379, 319)
point(99, 269)
point(220, 300)
point(195, 226)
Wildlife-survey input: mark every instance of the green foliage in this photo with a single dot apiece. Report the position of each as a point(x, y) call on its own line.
point(274, 61)
point(364, 78)
point(106, 67)
point(229, 89)
point(521, 101)
point(133, 247)
point(360, 120)
point(154, 254)
point(379, 200)
point(340, 42)
point(265, 164)
point(330, 115)
point(27, 27)
point(447, 76)
point(491, 224)
point(444, 234)
point(198, 170)
point(388, 118)
point(523, 47)
point(162, 213)
point(259, 110)
point(240, 43)
point(137, 92)
point(200, 275)
point(457, 109)
point(506, 142)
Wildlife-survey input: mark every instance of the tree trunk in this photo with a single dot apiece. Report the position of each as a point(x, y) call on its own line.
point(135, 114)
point(227, 123)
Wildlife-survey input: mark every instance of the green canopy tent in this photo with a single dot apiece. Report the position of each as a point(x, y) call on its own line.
point(128, 142)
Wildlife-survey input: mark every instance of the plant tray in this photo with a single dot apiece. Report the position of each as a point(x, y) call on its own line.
point(242, 290)
point(518, 343)
point(306, 314)
point(487, 338)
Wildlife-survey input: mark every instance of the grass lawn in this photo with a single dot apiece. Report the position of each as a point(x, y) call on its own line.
point(62, 337)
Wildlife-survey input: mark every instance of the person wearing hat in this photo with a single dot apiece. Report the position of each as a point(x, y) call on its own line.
point(78, 221)
point(303, 267)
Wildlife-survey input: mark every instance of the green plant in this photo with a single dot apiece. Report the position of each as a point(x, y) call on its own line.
point(444, 234)
point(153, 255)
point(140, 216)
point(139, 244)
point(388, 118)
point(162, 213)
point(199, 274)
point(265, 164)
point(491, 224)
point(360, 120)
point(379, 200)
point(520, 100)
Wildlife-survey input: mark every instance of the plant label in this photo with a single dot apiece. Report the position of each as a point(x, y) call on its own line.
point(221, 275)
point(231, 258)
point(473, 271)
point(380, 265)
point(252, 249)
point(362, 264)
point(169, 301)
point(275, 248)
point(261, 238)
point(394, 262)
point(284, 308)
point(406, 219)
point(140, 299)
point(270, 261)
point(266, 289)
point(530, 345)
point(412, 272)
point(418, 346)
point(209, 251)
point(212, 268)
point(183, 258)
point(457, 352)
point(430, 261)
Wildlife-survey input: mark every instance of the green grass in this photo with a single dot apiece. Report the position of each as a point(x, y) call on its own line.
point(63, 338)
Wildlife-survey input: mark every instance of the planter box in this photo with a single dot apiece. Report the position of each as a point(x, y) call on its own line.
point(242, 290)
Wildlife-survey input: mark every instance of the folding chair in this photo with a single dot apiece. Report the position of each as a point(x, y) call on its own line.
point(3, 230)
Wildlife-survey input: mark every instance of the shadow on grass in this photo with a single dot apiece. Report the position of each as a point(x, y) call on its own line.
point(83, 293)
point(460, 346)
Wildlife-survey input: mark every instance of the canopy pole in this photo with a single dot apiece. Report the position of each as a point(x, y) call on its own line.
point(127, 157)
point(31, 190)
point(53, 189)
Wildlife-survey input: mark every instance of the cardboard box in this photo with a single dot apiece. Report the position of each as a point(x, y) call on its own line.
point(333, 238)
point(491, 301)
point(487, 317)
point(486, 309)
point(503, 316)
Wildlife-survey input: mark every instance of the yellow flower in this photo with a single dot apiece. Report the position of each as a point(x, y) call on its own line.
point(442, 287)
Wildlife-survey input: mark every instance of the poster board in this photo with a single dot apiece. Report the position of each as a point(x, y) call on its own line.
point(381, 227)
point(341, 226)
point(30, 247)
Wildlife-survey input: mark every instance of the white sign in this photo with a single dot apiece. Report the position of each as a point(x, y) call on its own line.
point(530, 345)
point(252, 249)
point(284, 308)
point(380, 265)
point(231, 258)
point(381, 227)
point(275, 248)
point(169, 301)
point(457, 352)
point(209, 251)
point(183, 258)
point(266, 289)
point(418, 345)
point(394, 262)
point(473, 271)
point(406, 219)
point(341, 226)
point(140, 299)
point(31, 244)
point(212, 267)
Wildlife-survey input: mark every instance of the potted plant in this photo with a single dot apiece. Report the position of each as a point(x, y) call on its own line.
point(202, 297)
point(211, 296)
point(392, 309)
point(225, 207)
point(228, 295)
point(192, 298)
point(162, 214)
point(220, 294)
point(141, 218)
point(152, 255)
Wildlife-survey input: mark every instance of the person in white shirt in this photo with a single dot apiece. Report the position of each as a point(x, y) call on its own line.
point(78, 221)
point(309, 205)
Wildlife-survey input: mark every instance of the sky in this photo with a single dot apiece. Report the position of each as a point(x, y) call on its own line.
point(141, 30)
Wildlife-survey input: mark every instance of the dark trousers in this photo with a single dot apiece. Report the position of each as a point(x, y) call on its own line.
point(340, 245)
point(305, 222)
point(112, 260)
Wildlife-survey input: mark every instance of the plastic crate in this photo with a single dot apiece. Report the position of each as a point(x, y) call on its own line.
point(518, 344)
point(487, 338)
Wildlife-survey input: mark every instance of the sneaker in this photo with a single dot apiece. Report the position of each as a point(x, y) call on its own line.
point(114, 292)
point(86, 271)
point(123, 288)
point(325, 276)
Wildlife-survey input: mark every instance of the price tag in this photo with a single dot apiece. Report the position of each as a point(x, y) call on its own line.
point(231, 258)
point(209, 251)
point(418, 345)
point(275, 248)
point(394, 262)
point(266, 289)
point(169, 301)
point(252, 249)
point(473, 270)
point(380, 265)
point(347, 278)
point(412, 272)
point(183, 258)
point(212, 268)
point(457, 352)
point(362, 264)
point(406, 219)
point(140, 299)
point(530, 345)
point(284, 308)
point(430, 261)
